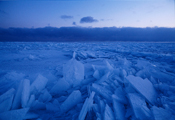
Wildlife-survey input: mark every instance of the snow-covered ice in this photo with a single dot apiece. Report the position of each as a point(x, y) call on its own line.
point(87, 81)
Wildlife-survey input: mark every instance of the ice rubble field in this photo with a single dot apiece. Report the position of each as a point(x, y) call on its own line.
point(87, 81)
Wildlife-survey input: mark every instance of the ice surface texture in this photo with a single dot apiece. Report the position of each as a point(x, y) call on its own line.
point(87, 81)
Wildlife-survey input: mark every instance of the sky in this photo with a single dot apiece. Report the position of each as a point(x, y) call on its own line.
point(87, 13)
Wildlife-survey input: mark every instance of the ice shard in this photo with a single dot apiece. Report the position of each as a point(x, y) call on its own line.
point(45, 96)
point(31, 100)
point(73, 72)
point(17, 99)
point(144, 87)
point(108, 114)
point(25, 93)
point(37, 105)
point(96, 74)
point(6, 100)
point(87, 105)
point(61, 86)
point(73, 99)
point(103, 78)
point(139, 107)
point(7, 94)
point(6, 104)
point(102, 91)
point(119, 109)
point(54, 106)
point(39, 84)
point(120, 95)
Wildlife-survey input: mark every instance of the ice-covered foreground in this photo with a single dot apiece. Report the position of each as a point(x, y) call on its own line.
point(83, 81)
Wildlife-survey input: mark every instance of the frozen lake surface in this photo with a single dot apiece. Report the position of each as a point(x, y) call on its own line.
point(87, 81)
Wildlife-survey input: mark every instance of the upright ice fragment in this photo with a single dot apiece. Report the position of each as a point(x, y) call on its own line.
point(73, 72)
point(108, 65)
point(18, 114)
point(108, 115)
point(102, 106)
point(38, 84)
point(71, 101)
point(17, 99)
point(31, 100)
point(101, 69)
point(6, 104)
point(25, 92)
point(144, 87)
point(96, 74)
point(119, 109)
point(6, 100)
point(87, 105)
point(7, 94)
point(139, 107)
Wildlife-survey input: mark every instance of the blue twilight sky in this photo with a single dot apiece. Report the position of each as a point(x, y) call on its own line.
point(87, 13)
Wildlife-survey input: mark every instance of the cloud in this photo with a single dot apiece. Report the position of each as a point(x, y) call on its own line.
point(74, 23)
point(66, 17)
point(76, 34)
point(88, 19)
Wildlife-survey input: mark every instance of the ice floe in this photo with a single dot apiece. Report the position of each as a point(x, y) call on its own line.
point(99, 84)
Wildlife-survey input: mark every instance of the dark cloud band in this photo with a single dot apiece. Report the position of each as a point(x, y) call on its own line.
point(88, 34)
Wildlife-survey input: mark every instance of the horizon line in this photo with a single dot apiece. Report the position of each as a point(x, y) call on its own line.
point(81, 27)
